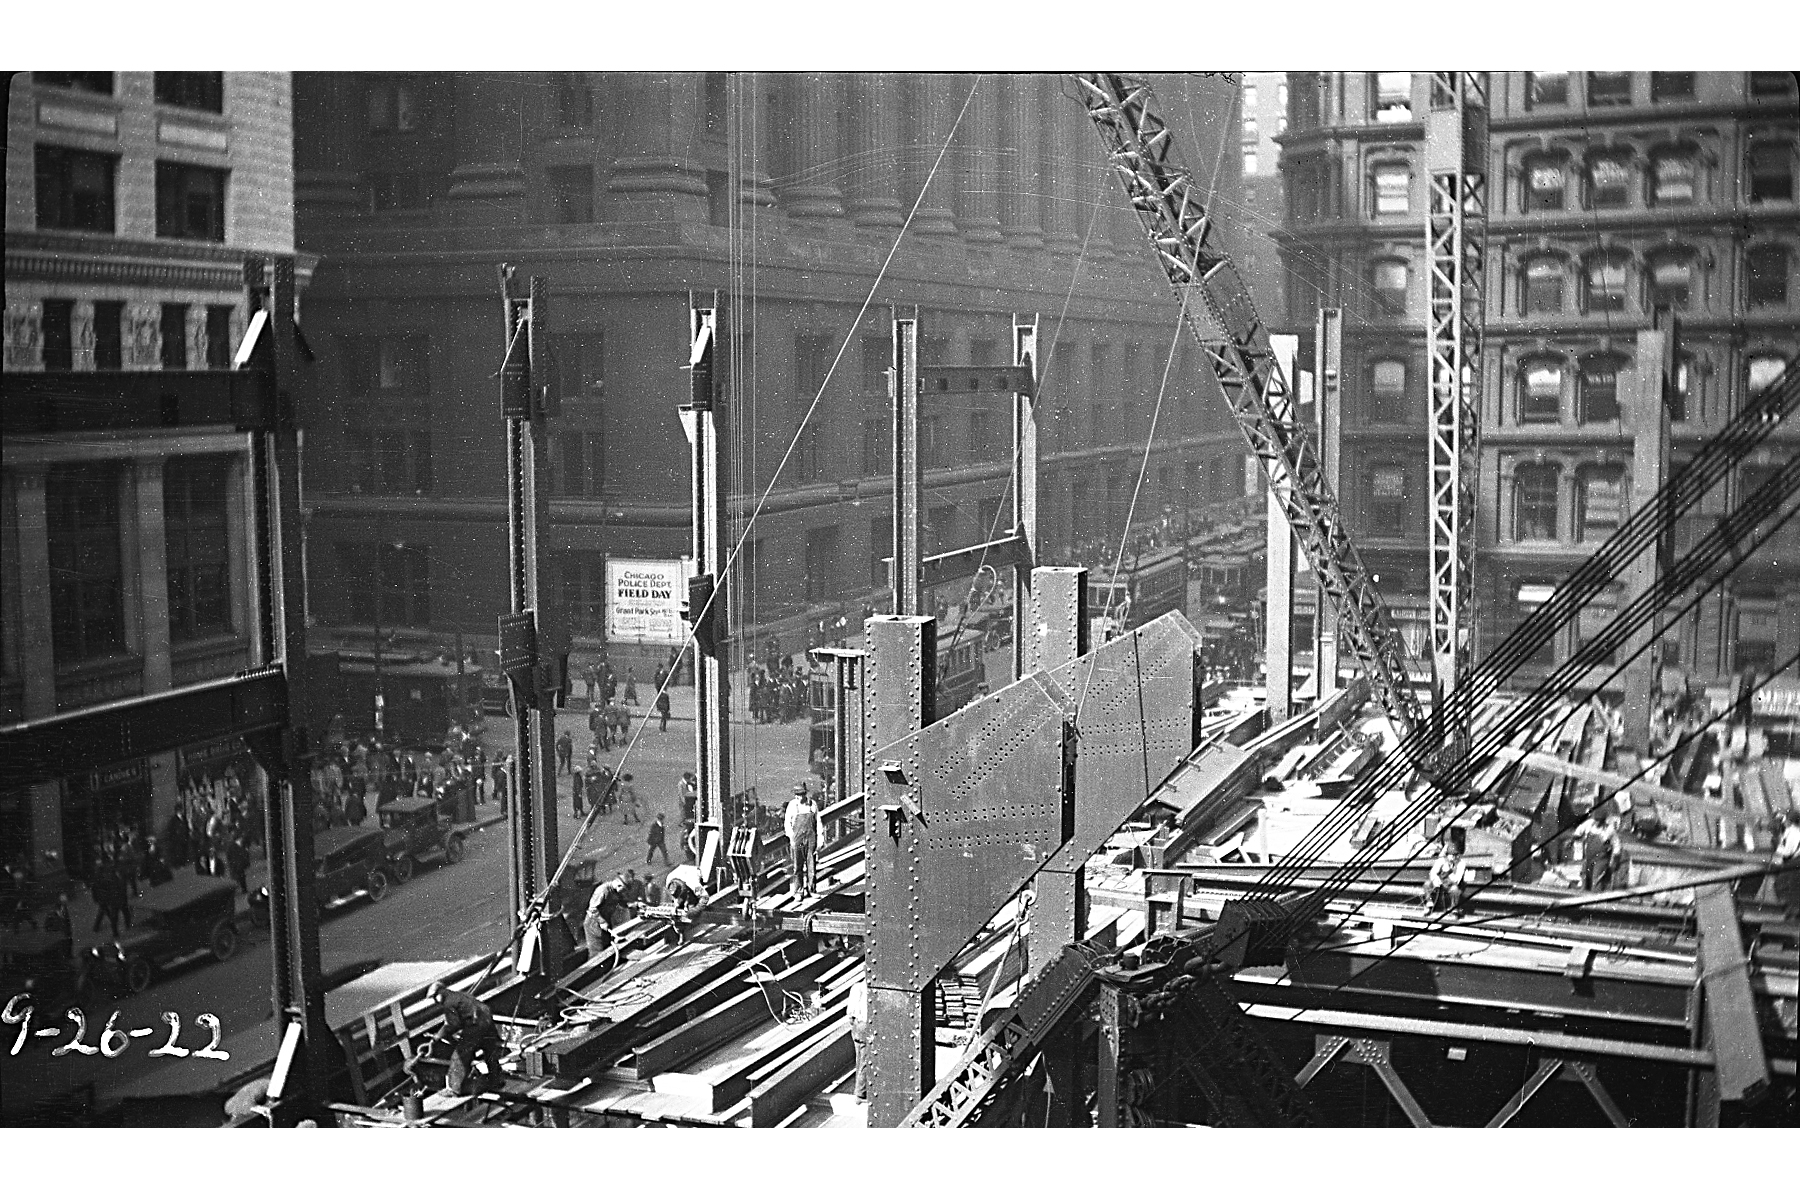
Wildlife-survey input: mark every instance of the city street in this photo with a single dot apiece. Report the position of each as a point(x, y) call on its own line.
point(444, 913)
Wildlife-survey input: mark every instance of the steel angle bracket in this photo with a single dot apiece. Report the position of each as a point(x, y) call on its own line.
point(977, 805)
point(1132, 705)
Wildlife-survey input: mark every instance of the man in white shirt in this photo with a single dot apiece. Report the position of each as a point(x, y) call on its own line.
point(859, 1033)
point(801, 823)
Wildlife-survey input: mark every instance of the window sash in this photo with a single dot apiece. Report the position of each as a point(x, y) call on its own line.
point(1546, 185)
point(1673, 180)
point(1393, 183)
point(1549, 87)
point(1771, 171)
point(1609, 183)
point(1766, 275)
point(1543, 287)
point(1606, 285)
point(1764, 370)
point(1606, 88)
point(1600, 392)
point(1541, 397)
point(1534, 504)
point(1671, 282)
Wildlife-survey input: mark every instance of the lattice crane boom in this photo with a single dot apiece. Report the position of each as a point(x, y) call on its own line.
point(1236, 346)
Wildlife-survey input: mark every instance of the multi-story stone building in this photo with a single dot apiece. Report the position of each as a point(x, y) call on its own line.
point(786, 193)
point(1610, 194)
point(1263, 102)
point(131, 198)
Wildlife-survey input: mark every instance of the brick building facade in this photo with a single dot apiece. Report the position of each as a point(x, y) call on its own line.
point(131, 198)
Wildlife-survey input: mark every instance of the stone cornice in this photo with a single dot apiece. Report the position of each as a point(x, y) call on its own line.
point(99, 258)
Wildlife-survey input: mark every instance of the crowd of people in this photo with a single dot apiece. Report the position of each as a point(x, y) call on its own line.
point(778, 691)
point(353, 780)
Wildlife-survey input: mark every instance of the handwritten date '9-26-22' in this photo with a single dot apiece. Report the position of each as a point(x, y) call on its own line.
point(113, 1040)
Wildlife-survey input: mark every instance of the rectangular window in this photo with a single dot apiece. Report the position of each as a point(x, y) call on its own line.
point(1527, 600)
point(1771, 175)
point(1534, 504)
point(981, 436)
point(1100, 362)
point(1763, 370)
point(574, 102)
point(1599, 391)
point(812, 360)
point(109, 335)
point(1393, 186)
point(199, 556)
point(1549, 87)
point(1606, 89)
point(1249, 134)
point(1387, 501)
point(401, 190)
point(203, 90)
point(574, 478)
point(1766, 275)
point(1771, 85)
point(190, 202)
point(821, 563)
point(75, 189)
point(218, 337)
point(58, 335)
point(1393, 96)
point(1606, 285)
point(87, 610)
point(877, 360)
point(99, 83)
point(404, 585)
point(1671, 85)
point(1387, 391)
point(934, 445)
point(174, 337)
point(1248, 92)
point(1758, 634)
point(1671, 280)
point(1540, 401)
point(1544, 186)
point(984, 352)
point(1672, 180)
point(809, 454)
point(1388, 278)
point(1600, 500)
point(402, 363)
point(1609, 182)
point(1543, 286)
point(580, 356)
point(571, 194)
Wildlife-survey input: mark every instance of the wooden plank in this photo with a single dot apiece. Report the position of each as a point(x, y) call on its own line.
point(1640, 788)
point(1735, 1037)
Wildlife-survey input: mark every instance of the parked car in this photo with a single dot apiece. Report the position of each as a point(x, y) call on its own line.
point(347, 862)
point(417, 828)
point(181, 920)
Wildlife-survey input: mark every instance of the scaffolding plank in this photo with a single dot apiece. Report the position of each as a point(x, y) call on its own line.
point(1743, 1065)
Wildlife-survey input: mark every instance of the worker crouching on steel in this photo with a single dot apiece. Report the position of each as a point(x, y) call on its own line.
point(1444, 882)
point(470, 1030)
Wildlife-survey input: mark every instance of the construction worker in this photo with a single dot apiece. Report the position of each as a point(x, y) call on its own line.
point(1787, 864)
point(684, 887)
point(469, 1027)
point(802, 825)
point(1444, 882)
point(1600, 849)
point(859, 1032)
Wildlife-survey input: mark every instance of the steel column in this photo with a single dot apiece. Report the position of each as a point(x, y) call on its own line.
point(1278, 602)
point(1455, 226)
point(909, 599)
point(1025, 487)
point(1653, 373)
point(706, 417)
point(1737, 1044)
point(1054, 631)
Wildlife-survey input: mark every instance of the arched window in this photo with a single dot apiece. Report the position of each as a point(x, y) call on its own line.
point(1387, 390)
point(1388, 280)
point(1600, 388)
point(1540, 391)
point(1603, 277)
point(1534, 502)
point(1770, 173)
point(1674, 178)
point(1546, 180)
point(1671, 280)
point(1609, 180)
point(1599, 502)
point(1683, 391)
point(1766, 275)
point(1542, 288)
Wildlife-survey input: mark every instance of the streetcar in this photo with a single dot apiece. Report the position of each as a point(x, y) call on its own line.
point(1147, 586)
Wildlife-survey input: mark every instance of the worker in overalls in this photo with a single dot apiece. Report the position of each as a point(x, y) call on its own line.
point(1444, 882)
point(1600, 849)
point(802, 825)
point(469, 1027)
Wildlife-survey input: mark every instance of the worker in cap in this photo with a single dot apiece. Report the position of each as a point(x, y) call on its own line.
point(470, 1030)
point(684, 887)
point(801, 822)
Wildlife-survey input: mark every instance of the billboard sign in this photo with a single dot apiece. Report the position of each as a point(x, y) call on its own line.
point(643, 600)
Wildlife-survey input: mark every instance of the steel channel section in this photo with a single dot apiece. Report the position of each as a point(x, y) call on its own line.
point(1455, 216)
point(901, 685)
point(1328, 412)
point(908, 480)
point(1235, 344)
point(522, 877)
point(709, 483)
point(1278, 561)
point(1054, 631)
point(552, 623)
point(1025, 487)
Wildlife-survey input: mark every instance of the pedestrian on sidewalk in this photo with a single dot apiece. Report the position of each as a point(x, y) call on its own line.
point(662, 711)
point(654, 839)
point(576, 792)
point(109, 897)
point(356, 811)
point(156, 871)
point(631, 696)
point(565, 752)
point(628, 802)
point(237, 858)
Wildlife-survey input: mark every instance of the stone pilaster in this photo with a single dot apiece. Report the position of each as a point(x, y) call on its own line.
point(815, 98)
point(1057, 142)
point(153, 618)
point(24, 337)
point(328, 121)
point(756, 189)
point(657, 176)
point(934, 110)
point(873, 180)
point(487, 186)
point(1022, 175)
point(81, 336)
point(976, 159)
point(141, 337)
point(29, 549)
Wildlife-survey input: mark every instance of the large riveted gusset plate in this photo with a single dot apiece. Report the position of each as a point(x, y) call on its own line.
point(978, 806)
point(1132, 701)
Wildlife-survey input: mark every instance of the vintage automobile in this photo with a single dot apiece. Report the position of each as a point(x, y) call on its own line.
point(417, 828)
point(347, 862)
point(184, 919)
